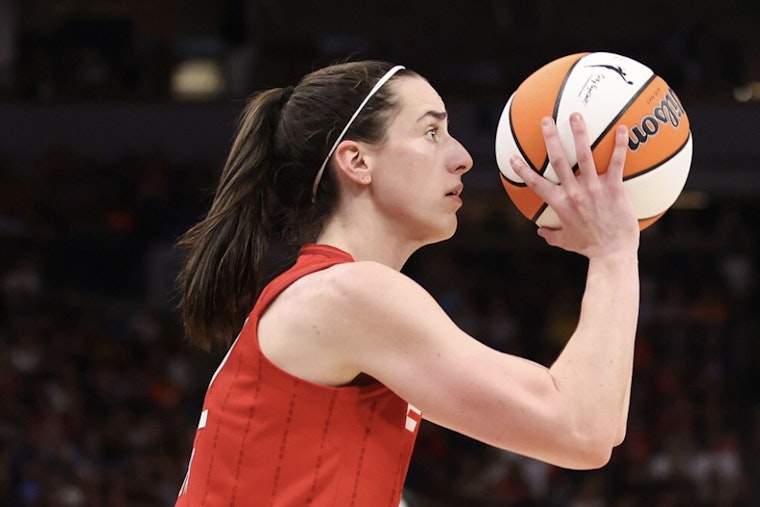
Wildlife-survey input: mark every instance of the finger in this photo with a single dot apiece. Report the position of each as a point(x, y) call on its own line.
point(553, 237)
point(583, 154)
point(617, 161)
point(555, 152)
point(540, 185)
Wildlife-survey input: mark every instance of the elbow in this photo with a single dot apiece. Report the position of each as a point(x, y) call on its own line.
point(591, 452)
point(594, 445)
point(600, 457)
point(620, 436)
point(593, 455)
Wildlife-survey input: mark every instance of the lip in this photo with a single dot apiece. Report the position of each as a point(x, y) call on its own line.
point(456, 191)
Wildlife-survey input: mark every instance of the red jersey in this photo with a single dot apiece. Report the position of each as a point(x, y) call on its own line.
point(268, 438)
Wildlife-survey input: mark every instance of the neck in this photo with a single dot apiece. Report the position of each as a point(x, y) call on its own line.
point(367, 239)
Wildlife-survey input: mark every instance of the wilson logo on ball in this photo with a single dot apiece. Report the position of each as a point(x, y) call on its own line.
point(669, 111)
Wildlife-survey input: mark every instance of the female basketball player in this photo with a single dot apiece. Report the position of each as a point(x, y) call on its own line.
point(320, 396)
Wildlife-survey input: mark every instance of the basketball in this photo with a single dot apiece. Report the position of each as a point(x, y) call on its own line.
point(608, 90)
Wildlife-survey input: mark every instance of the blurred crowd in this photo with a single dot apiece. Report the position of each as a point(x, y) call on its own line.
point(100, 392)
point(98, 387)
point(52, 51)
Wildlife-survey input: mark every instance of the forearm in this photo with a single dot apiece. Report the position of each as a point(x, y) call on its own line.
point(593, 372)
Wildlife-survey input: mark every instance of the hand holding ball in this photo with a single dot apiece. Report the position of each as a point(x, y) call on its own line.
point(608, 90)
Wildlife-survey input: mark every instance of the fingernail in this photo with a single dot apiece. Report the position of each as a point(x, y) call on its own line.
point(546, 121)
point(575, 117)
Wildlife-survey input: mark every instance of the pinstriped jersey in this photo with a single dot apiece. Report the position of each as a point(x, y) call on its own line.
point(268, 438)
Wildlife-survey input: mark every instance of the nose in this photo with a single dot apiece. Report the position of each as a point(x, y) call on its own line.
point(460, 160)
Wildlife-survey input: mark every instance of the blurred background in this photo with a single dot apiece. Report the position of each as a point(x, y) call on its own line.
point(115, 116)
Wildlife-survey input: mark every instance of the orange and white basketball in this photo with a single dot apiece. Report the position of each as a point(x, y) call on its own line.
point(608, 90)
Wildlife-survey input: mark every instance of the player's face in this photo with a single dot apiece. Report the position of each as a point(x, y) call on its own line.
point(417, 176)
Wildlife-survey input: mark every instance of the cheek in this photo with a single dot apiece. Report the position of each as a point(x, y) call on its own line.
point(400, 191)
point(407, 167)
point(406, 183)
point(392, 174)
point(405, 172)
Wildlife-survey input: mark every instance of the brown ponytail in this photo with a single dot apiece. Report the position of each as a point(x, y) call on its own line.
point(225, 250)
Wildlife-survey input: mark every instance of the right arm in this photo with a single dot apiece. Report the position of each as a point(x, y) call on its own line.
point(598, 221)
point(570, 414)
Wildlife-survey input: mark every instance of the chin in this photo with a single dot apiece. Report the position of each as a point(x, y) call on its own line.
point(444, 233)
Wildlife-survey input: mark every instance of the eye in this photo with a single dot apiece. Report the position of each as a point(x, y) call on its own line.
point(432, 133)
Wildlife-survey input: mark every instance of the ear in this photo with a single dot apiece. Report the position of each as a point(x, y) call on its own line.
point(351, 161)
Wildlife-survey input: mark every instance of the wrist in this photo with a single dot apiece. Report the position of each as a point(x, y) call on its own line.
point(616, 259)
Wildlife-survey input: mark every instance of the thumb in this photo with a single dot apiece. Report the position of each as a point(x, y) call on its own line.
point(551, 236)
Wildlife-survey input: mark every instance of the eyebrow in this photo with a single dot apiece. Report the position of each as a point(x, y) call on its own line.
point(438, 115)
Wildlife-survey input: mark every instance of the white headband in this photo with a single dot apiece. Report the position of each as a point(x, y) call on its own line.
point(372, 92)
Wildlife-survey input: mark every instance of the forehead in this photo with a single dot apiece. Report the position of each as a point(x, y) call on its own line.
point(416, 97)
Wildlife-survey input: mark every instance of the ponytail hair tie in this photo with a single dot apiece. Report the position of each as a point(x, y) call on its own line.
point(286, 93)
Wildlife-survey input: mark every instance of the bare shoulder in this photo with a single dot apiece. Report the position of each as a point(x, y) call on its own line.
point(324, 324)
point(354, 284)
point(374, 314)
point(371, 293)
